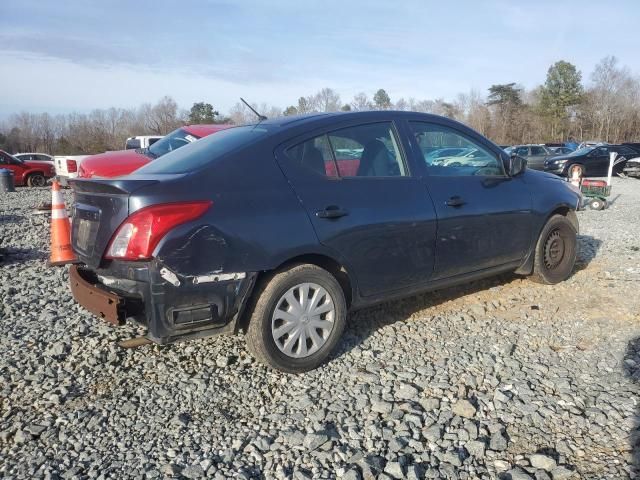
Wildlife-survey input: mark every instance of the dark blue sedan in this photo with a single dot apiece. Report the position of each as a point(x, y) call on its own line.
point(280, 228)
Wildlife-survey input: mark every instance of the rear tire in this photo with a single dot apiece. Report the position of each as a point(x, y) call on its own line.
point(36, 180)
point(555, 253)
point(597, 204)
point(296, 319)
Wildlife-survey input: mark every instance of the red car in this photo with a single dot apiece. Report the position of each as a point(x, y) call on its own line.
point(32, 173)
point(123, 162)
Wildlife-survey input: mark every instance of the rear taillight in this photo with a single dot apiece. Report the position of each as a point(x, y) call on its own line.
point(72, 166)
point(140, 233)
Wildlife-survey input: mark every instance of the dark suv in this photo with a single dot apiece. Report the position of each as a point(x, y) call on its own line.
point(280, 228)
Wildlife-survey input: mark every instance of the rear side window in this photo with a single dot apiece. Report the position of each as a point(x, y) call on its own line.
point(367, 151)
point(537, 151)
point(363, 151)
point(206, 150)
point(314, 156)
point(522, 151)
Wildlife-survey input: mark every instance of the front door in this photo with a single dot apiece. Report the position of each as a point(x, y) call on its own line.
point(484, 215)
point(359, 193)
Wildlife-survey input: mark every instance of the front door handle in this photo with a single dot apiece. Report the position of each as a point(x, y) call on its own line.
point(455, 201)
point(331, 211)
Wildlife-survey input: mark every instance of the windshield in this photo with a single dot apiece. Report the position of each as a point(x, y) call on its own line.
point(207, 150)
point(176, 139)
point(581, 151)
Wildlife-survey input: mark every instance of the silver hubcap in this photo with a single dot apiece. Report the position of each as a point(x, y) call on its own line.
point(303, 320)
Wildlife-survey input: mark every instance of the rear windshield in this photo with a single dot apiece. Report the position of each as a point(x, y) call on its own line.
point(197, 154)
point(132, 143)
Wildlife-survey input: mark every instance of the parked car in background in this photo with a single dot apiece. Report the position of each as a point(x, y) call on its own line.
point(632, 168)
point(535, 155)
point(67, 166)
point(141, 141)
point(123, 162)
point(560, 150)
point(257, 228)
point(590, 161)
point(35, 157)
point(590, 143)
point(31, 173)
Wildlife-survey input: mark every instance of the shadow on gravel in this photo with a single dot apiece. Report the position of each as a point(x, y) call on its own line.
point(11, 256)
point(363, 323)
point(631, 367)
point(588, 247)
point(10, 218)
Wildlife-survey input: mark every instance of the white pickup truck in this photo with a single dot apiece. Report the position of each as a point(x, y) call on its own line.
point(67, 166)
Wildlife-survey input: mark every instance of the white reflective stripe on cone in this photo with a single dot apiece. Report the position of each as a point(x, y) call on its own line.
point(57, 198)
point(58, 213)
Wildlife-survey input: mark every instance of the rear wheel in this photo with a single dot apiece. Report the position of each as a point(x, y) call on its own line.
point(36, 180)
point(297, 319)
point(555, 254)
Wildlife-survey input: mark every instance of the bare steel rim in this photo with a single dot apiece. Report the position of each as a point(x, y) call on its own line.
point(554, 249)
point(303, 320)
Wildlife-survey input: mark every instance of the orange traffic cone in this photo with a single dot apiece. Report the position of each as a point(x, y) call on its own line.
point(61, 251)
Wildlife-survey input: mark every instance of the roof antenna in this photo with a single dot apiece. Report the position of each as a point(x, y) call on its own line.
point(260, 117)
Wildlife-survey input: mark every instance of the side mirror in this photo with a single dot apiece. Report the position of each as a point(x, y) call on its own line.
point(516, 165)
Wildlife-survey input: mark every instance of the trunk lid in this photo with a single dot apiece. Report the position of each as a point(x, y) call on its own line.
point(99, 207)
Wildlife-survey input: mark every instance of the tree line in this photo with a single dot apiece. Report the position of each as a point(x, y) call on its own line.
point(606, 108)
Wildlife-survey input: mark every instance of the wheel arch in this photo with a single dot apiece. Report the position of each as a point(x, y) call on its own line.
point(324, 261)
point(566, 211)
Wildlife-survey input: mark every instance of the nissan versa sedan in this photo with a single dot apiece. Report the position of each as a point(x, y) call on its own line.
point(260, 229)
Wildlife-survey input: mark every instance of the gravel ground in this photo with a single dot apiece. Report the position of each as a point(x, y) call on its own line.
point(501, 378)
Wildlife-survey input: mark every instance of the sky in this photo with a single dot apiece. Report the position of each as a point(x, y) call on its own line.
point(72, 55)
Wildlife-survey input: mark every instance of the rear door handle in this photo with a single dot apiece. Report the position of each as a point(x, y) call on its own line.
point(331, 211)
point(455, 201)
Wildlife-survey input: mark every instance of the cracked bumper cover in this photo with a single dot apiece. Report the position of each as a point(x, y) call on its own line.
point(171, 311)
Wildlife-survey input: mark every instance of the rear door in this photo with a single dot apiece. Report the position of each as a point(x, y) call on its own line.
point(365, 205)
point(484, 216)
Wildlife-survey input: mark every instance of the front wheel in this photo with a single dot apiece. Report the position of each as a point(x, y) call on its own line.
point(555, 253)
point(575, 170)
point(597, 204)
point(296, 319)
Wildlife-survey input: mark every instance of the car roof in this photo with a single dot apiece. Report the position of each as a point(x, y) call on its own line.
point(320, 118)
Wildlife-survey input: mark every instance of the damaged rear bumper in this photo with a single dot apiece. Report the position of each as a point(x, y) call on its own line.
point(173, 307)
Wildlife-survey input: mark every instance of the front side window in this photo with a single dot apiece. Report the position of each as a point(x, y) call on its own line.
point(367, 151)
point(471, 159)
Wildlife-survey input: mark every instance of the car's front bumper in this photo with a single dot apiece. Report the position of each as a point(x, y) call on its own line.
point(555, 169)
point(171, 306)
